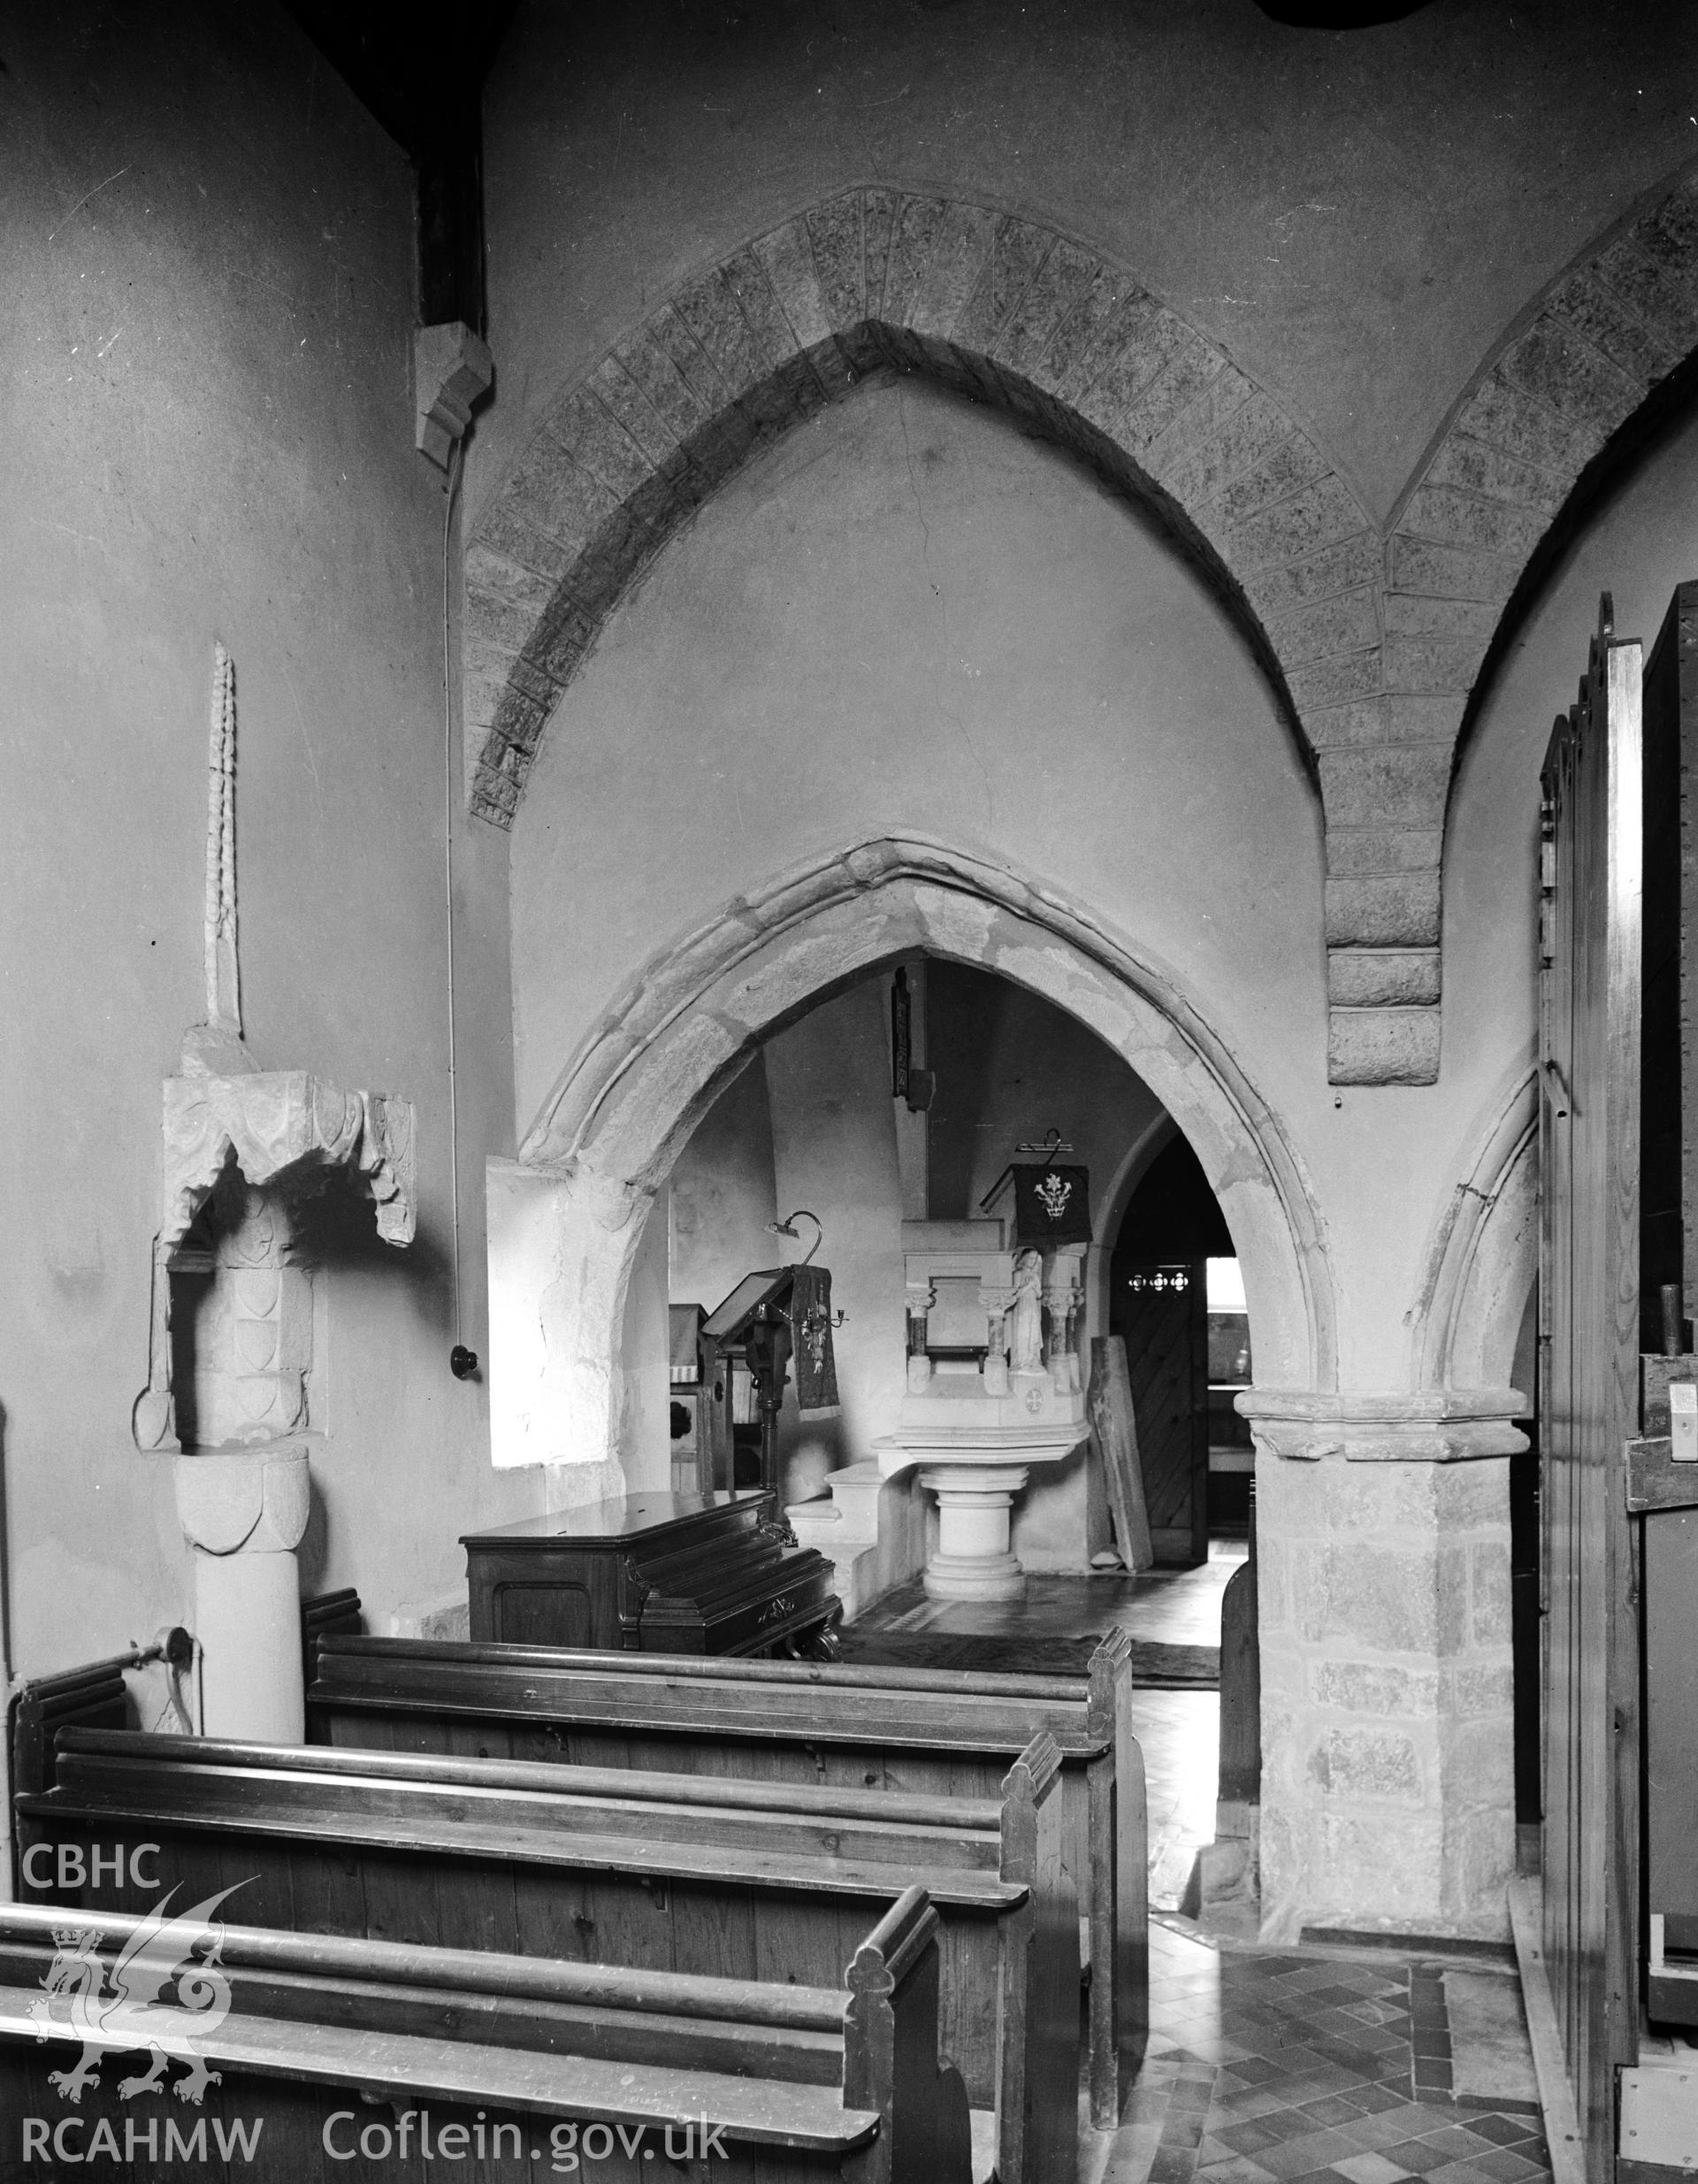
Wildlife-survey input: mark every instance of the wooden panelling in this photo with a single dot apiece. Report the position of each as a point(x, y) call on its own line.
point(1589, 1076)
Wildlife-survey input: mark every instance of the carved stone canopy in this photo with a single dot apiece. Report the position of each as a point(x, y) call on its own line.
point(284, 1127)
point(283, 1132)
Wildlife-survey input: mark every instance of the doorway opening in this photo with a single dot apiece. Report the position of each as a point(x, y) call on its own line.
point(1176, 1299)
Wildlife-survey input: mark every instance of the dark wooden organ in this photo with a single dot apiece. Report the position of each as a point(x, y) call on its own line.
point(655, 1573)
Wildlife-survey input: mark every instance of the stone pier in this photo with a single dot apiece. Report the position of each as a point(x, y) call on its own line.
point(1387, 1728)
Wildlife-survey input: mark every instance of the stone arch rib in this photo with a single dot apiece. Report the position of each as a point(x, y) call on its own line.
point(604, 1137)
point(1009, 312)
point(1006, 309)
point(1374, 641)
point(1569, 377)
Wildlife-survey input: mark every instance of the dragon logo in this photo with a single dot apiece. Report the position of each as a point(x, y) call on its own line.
point(129, 2013)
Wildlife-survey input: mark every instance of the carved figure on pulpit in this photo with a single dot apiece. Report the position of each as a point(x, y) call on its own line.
point(1025, 1334)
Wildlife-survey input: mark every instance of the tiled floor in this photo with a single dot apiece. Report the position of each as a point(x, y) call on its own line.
point(1308, 2067)
point(1294, 2066)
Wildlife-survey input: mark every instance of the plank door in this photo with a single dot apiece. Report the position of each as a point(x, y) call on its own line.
point(1590, 1024)
point(1669, 1122)
point(1162, 1311)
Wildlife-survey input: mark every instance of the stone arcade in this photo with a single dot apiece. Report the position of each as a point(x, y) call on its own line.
point(1094, 508)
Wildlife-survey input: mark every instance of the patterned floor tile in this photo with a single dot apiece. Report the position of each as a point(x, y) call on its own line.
point(1371, 2169)
point(1308, 2069)
point(1507, 2165)
point(1299, 2158)
point(1372, 2098)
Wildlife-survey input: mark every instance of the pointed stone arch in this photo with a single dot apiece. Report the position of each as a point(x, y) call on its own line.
point(1572, 383)
point(1006, 310)
point(567, 1217)
point(1374, 641)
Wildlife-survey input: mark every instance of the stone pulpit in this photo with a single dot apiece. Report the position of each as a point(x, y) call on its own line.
point(994, 1382)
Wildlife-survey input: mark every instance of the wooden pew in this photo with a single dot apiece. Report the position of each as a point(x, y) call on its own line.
point(949, 1731)
point(667, 1872)
point(307, 2032)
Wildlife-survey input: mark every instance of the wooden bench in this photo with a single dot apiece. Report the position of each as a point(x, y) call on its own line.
point(948, 1731)
point(504, 2054)
point(668, 1872)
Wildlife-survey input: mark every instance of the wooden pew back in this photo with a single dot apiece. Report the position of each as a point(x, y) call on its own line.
point(915, 1730)
point(835, 2082)
point(639, 1870)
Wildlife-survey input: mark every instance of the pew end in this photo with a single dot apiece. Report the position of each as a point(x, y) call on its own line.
point(891, 2059)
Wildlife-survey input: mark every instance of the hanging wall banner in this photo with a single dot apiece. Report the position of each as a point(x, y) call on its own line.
point(1051, 1203)
point(812, 1358)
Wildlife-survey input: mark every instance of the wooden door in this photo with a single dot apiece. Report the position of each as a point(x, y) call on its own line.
point(1590, 1012)
point(1162, 1311)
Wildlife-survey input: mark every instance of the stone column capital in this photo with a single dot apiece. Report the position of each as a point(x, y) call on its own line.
point(1361, 1426)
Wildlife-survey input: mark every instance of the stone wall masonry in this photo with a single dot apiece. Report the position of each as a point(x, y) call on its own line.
point(1374, 641)
point(1387, 1782)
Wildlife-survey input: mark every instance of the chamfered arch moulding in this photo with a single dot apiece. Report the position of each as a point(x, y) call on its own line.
point(1482, 1251)
point(566, 1218)
point(1374, 641)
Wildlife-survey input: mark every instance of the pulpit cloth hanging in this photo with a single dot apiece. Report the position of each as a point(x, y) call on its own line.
point(812, 1358)
point(1051, 1203)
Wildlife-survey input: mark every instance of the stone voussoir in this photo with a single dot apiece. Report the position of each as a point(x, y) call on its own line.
point(1477, 467)
point(1417, 614)
point(1452, 517)
point(1383, 1045)
point(1423, 567)
point(1337, 679)
point(1382, 849)
point(1396, 909)
point(1506, 415)
point(1603, 318)
point(1664, 304)
point(1215, 424)
point(1383, 977)
point(1286, 470)
point(1348, 622)
point(1552, 361)
point(1432, 662)
point(1018, 249)
point(1321, 515)
point(1283, 587)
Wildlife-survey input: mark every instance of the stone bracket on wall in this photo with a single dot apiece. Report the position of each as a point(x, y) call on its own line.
point(1431, 1426)
point(452, 370)
point(284, 1130)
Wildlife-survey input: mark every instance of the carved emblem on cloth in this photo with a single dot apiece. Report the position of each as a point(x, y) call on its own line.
point(1053, 1195)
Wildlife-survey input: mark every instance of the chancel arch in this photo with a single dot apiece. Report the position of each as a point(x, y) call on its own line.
point(567, 1217)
